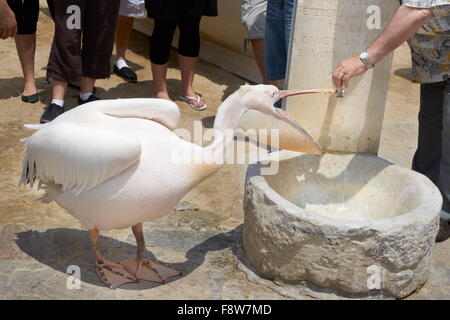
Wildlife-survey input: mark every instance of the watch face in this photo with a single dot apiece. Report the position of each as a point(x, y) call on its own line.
point(364, 55)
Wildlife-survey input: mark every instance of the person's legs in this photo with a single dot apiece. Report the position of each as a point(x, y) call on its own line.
point(432, 157)
point(26, 14)
point(274, 44)
point(187, 66)
point(160, 45)
point(258, 52)
point(64, 63)
point(59, 90)
point(444, 169)
point(288, 19)
point(188, 51)
point(87, 86)
point(429, 150)
point(26, 48)
point(444, 172)
point(123, 33)
point(253, 16)
point(159, 73)
point(98, 42)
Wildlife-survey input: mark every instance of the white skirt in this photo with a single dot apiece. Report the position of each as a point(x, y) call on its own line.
point(132, 8)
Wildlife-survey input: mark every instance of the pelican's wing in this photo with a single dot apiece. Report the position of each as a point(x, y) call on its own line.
point(75, 153)
point(165, 112)
point(77, 157)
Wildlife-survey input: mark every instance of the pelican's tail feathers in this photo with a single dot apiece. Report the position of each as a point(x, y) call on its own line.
point(44, 198)
point(35, 126)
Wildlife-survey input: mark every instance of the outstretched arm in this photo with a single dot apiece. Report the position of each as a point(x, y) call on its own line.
point(404, 24)
point(8, 24)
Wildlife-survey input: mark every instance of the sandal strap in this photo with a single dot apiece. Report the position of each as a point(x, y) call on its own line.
point(197, 98)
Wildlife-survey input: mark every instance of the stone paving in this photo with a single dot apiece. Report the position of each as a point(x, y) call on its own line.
point(34, 264)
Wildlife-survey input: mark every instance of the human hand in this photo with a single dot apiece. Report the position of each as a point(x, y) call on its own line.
point(8, 24)
point(346, 70)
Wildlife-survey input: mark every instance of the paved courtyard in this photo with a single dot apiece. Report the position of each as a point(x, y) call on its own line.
point(202, 237)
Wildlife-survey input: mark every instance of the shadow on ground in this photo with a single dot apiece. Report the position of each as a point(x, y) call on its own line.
point(59, 248)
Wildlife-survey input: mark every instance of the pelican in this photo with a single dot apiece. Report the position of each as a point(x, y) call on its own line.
point(111, 164)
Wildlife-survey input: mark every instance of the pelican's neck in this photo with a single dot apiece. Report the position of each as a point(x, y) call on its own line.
point(214, 155)
point(227, 119)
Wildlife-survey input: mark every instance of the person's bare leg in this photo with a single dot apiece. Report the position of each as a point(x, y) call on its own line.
point(159, 72)
point(112, 274)
point(26, 48)
point(143, 266)
point(187, 65)
point(87, 85)
point(59, 89)
point(123, 33)
point(258, 52)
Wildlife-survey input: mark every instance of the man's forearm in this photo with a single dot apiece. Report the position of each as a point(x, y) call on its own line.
point(403, 25)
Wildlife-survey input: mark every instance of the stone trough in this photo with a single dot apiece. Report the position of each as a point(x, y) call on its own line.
point(352, 225)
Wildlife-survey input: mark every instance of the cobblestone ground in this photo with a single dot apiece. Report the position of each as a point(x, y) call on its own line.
point(202, 237)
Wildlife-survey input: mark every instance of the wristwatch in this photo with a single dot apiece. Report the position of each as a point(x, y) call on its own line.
point(364, 57)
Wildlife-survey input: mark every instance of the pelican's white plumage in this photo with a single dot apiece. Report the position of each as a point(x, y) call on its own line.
point(87, 146)
point(115, 163)
point(107, 164)
point(110, 163)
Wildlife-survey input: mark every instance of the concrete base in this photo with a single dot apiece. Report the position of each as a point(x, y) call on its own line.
point(354, 225)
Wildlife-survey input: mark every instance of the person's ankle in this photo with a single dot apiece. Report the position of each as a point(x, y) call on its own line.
point(120, 63)
point(162, 95)
point(85, 96)
point(29, 89)
point(189, 93)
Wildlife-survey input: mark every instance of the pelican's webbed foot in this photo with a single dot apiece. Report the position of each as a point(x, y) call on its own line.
point(113, 275)
point(149, 269)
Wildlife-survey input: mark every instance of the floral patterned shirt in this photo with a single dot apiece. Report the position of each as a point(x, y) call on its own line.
point(430, 46)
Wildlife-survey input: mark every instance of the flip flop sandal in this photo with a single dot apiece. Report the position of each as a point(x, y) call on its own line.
point(194, 102)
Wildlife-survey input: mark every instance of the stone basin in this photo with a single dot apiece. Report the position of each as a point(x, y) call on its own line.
point(350, 225)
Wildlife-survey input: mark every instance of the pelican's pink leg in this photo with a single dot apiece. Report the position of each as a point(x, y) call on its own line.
point(145, 268)
point(112, 274)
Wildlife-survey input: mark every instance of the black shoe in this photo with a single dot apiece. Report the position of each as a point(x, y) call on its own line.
point(125, 73)
point(90, 99)
point(79, 89)
point(51, 112)
point(33, 98)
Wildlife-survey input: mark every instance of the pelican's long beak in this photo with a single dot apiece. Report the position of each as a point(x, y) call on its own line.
point(288, 93)
point(292, 136)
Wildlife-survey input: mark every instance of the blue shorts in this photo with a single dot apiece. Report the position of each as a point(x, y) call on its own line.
point(278, 33)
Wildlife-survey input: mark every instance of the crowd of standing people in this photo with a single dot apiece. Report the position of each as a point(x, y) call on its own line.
point(85, 32)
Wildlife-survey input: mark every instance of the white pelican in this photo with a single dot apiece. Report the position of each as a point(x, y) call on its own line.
point(109, 163)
